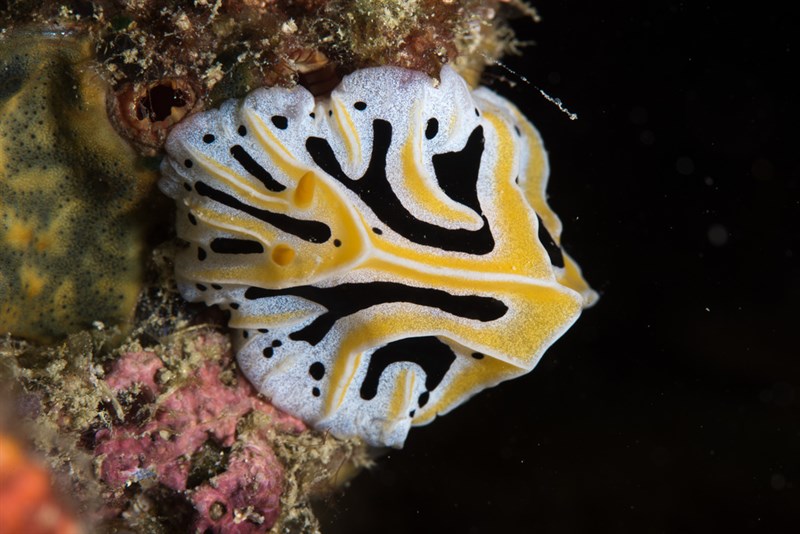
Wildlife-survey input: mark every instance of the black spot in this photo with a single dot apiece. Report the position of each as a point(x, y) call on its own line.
point(316, 392)
point(411, 413)
point(330, 113)
point(317, 370)
point(201, 254)
point(242, 130)
point(254, 168)
point(360, 106)
point(337, 243)
point(477, 355)
point(192, 219)
point(430, 353)
point(377, 231)
point(477, 113)
point(188, 163)
point(245, 334)
point(280, 122)
point(276, 343)
point(424, 396)
point(208, 138)
point(263, 330)
point(227, 245)
point(216, 286)
point(516, 129)
point(312, 115)
point(187, 187)
point(267, 352)
point(553, 250)
point(201, 287)
point(234, 306)
point(432, 128)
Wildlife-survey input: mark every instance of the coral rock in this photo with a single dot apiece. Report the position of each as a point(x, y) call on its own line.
point(195, 412)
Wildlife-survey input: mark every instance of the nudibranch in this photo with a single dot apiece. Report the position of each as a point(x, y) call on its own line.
point(385, 252)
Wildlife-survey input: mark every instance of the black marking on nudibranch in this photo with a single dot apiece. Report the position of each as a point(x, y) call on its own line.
point(280, 122)
point(254, 168)
point(374, 189)
point(317, 370)
point(226, 245)
point(550, 245)
point(346, 299)
point(424, 397)
point(457, 172)
point(429, 352)
point(311, 231)
point(432, 128)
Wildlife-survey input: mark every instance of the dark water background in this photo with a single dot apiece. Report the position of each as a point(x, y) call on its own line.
point(674, 404)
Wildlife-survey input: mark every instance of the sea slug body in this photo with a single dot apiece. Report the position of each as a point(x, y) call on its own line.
point(385, 252)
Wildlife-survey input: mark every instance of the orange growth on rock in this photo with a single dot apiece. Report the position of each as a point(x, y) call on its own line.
point(27, 503)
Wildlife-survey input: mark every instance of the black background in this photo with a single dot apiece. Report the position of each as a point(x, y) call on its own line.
point(674, 404)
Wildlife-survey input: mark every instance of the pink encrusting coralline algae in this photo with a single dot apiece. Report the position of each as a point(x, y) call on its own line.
point(189, 412)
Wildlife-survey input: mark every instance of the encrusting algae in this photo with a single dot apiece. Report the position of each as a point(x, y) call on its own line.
point(71, 193)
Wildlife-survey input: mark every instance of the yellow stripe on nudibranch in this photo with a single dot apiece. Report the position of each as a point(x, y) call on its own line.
point(402, 396)
point(350, 136)
point(277, 152)
point(379, 270)
point(242, 187)
point(421, 188)
point(426, 196)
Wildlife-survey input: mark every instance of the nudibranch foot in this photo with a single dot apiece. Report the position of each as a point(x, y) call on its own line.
point(385, 252)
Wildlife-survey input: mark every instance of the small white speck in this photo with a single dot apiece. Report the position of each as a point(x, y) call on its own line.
point(717, 235)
